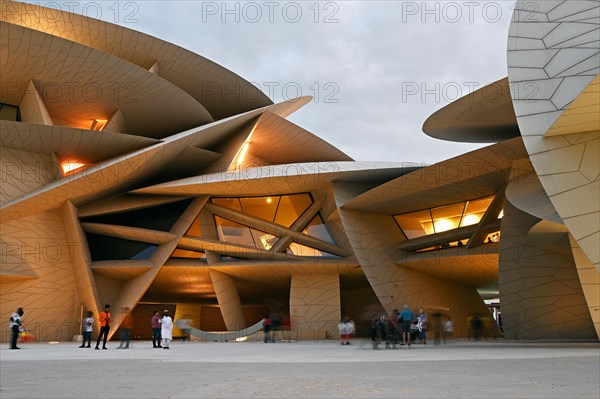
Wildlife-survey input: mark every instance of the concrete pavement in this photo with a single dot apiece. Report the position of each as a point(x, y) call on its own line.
point(301, 370)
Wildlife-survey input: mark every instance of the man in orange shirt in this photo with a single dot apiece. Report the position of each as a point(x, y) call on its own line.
point(105, 320)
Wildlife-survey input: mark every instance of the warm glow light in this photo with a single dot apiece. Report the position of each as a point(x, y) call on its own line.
point(70, 166)
point(241, 154)
point(98, 124)
point(269, 200)
point(442, 225)
point(470, 219)
point(501, 214)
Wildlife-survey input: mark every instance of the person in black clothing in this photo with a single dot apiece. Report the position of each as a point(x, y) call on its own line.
point(15, 324)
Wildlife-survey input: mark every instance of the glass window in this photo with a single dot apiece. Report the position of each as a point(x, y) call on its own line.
point(415, 224)
point(264, 240)
point(443, 218)
point(291, 207)
point(492, 237)
point(233, 232)
point(146, 253)
point(260, 207)
point(283, 210)
point(194, 229)
point(232, 203)
point(9, 113)
point(318, 229)
point(447, 217)
point(303, 250)
point(475, 210)
point(236, 233)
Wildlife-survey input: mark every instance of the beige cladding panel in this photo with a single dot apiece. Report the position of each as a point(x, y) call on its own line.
point(590, 282)
point(540, 290)
point(315, 305)
point(560, 60)
point(22, 172)
point(40, 246)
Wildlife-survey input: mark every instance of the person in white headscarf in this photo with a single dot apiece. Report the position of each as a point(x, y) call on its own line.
point(166, 329)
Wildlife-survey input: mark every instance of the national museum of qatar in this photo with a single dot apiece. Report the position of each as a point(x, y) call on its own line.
point(173, 183)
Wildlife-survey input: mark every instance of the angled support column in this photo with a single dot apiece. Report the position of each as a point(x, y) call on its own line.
point(82, 260)
point(229, 300)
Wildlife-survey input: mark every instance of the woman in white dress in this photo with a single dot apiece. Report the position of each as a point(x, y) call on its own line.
point(166, 329)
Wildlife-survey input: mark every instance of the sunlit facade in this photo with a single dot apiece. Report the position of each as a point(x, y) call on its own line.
point(224, 211)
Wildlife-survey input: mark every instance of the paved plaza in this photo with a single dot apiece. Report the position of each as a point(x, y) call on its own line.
point(302, 370)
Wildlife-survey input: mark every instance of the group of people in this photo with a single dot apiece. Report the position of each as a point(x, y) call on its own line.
point(397, 327)
point(162, 329)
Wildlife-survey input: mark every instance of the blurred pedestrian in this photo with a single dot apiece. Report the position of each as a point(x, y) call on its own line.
point(266, 328)
point(346, 329)
point(125, 333)
point(448, 329)
point(422, 326)
point(16, 321)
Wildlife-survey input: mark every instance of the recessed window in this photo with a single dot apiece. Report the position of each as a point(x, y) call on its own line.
point(230, 231)
point(443, 218)
point(318, 229)
point(280, 209)
point(10, 113)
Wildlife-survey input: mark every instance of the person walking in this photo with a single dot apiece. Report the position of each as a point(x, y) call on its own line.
point(16, 320)
point(156, 338)
point(105, 320)
point(86, 330)
point(166, 330)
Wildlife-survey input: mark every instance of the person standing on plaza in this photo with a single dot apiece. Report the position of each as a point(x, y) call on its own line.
point(16, 320)
point(266, 328)
point(422, 326)
point(346, 329)
point(405, 318)
point(105, 320)
point(86, 330)
point(166, 330)
point(125, 330)
point(156, 338)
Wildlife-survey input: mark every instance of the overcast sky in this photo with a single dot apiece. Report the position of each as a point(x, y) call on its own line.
point(377, 69)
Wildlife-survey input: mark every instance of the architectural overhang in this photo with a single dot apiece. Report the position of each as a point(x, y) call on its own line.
point(483, 116)
point(220, 91)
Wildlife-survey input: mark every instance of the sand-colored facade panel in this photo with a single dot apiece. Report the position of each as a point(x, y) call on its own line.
point(315, 304)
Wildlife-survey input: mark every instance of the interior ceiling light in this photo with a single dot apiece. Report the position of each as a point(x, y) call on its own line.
point(470, 219)
point(71, 166)
point(442, 225)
